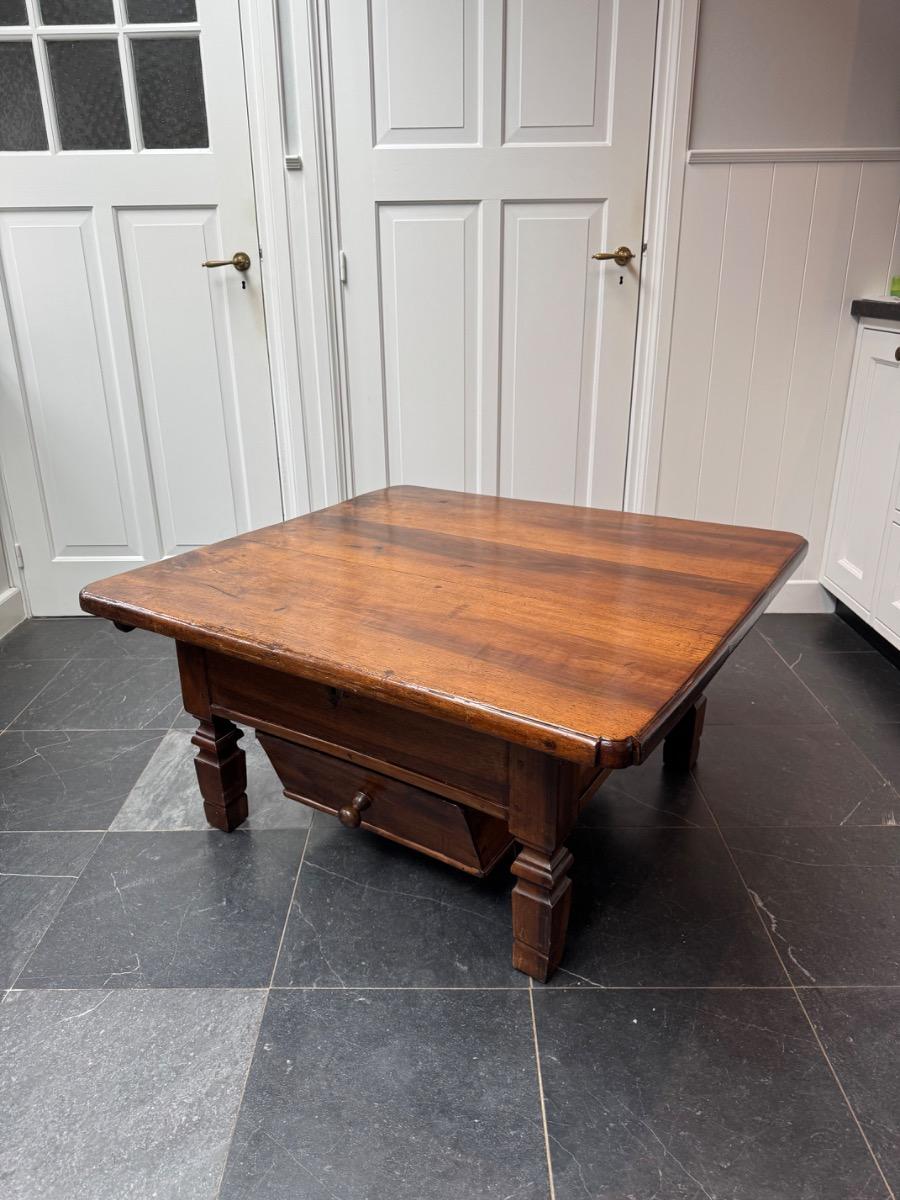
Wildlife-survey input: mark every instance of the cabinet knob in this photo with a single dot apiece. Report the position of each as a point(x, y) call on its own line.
point(897, 354)
point(351, 814)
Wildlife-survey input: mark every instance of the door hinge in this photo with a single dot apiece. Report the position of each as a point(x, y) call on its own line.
point(20, 557)
point(342, 266)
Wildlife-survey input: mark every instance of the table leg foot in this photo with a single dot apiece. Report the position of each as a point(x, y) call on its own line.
point(541, 901)
point(222, 773)
point(682, 744)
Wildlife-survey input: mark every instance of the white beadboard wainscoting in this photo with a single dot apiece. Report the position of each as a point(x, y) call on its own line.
point(770, 256)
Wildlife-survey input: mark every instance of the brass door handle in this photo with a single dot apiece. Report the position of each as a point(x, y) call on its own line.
point(240, 261)
point(621, 255)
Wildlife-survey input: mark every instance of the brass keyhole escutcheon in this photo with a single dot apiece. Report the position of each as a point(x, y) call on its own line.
point(350, 815)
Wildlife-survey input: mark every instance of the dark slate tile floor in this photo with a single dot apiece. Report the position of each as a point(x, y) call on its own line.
point(296, 1012)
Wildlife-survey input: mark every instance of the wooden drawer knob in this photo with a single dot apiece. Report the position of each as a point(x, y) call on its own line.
point(351, 814)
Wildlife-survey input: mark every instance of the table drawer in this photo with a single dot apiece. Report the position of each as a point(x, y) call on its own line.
point(465, 837)
point(452, 755)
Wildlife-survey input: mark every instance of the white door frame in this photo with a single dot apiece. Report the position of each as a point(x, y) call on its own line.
point(291, 126)
point(670, 129)
point(290, 145)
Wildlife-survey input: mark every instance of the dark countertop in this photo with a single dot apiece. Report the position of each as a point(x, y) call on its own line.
point(884, 309)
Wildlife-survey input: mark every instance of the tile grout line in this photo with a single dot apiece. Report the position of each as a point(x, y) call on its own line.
point(290, 904)
point(6, 728)
point(32, 875)
point(148, 729)
point(540, 1082)
point(586, 988)
point(240, 1103)
point(262, 1012)
point(839, 724)
point(768, 932)
point(65, 662)
point(589, 828)
point(824, 707)
point(12, 987)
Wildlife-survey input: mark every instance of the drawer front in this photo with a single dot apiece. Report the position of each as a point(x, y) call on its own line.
point(887, 604)
point(463, 837)
point(470, 761)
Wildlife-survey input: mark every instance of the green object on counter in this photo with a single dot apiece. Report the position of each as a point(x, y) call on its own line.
point(895, 286)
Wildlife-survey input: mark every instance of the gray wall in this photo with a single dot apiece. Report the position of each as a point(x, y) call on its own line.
point(797, 73)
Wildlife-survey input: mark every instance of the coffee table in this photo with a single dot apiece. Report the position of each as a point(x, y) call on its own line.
point(458, 673)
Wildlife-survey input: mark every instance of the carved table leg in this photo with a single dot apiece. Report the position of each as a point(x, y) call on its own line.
point(221, 772)
point(543, 794)
point(682, 744)
point(541, 901)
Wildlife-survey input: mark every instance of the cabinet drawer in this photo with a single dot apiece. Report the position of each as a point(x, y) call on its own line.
point(464, 837)
point(887, 604)
point(865, 490)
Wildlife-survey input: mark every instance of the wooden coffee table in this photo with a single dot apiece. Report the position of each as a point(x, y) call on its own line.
point(455, 672)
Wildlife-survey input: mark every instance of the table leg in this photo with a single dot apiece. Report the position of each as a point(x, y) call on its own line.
point(682, 744)
point(543, 805)
point(541, 901)
point(221, 772)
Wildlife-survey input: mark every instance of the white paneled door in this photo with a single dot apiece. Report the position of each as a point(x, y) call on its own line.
point(135, 409)
point(485, 152)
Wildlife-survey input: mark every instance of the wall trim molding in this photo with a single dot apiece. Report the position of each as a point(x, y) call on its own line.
point(670, 122)
point(802, 596)
point(797, 154)
point(12, 610)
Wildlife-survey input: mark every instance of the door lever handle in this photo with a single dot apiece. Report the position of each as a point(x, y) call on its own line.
point(240, 261)
point(621, 255)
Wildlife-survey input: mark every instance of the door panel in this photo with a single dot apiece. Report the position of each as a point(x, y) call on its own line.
point(57, 310)
point(559, 69)
point(550, 331)
point(136, 414)
point(430, 333)
point(177, 327)
point(484, 153)
point(425, 71)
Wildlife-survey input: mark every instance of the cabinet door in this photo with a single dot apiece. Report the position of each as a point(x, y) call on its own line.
point(868, 464)
point(887, 605)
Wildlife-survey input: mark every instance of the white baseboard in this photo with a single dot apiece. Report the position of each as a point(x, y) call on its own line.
point(12, 610)
point(802, 596)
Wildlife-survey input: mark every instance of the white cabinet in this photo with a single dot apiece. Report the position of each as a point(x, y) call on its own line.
point(862, 556)
point(887, 604)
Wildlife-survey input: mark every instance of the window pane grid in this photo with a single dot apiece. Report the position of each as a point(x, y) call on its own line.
point(177, 20)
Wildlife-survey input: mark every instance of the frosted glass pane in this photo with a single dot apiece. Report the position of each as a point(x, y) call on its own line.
point(12, 12)
point(170, 92)
point(87, 91)
point(21, 118)
point(143, 11)
point(77, 12)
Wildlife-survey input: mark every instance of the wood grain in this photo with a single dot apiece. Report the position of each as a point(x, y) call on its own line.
point(576, 632)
